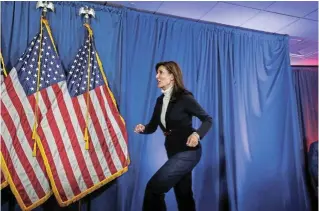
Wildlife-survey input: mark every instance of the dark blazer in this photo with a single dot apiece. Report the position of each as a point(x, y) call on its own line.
point(180, 110)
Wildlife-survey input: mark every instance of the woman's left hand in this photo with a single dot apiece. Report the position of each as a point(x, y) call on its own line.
point(192, 140)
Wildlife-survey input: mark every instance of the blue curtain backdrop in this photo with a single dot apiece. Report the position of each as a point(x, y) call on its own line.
point(306, 89)
point(252, 158)
point(306, 86)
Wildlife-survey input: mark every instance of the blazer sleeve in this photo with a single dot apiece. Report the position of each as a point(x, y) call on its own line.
point(193, 108)
point(153, 123)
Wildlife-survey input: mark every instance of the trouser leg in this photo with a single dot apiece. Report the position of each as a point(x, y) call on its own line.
point(176, 169)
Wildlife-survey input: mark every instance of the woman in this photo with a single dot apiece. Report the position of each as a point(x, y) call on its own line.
point(173, 112)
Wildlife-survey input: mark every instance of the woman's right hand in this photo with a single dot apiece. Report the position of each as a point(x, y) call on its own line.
point(139, 128)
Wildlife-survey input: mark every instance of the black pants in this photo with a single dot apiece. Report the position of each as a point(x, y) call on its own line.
point(177, 173)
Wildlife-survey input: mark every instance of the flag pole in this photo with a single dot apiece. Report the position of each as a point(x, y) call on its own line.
point(87, 13)
point(79, 205)
point(45, 6)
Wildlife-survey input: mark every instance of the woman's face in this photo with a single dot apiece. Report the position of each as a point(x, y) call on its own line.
point(164, 78)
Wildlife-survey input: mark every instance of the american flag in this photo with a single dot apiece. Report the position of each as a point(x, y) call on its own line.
point(25, 100)
point(77, 169)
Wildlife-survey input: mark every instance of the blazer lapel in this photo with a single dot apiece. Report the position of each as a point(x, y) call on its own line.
point(169, 109)
point(160, 107)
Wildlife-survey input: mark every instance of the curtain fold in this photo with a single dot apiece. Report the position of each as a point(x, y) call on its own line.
point(251, 158)
point(306, 87)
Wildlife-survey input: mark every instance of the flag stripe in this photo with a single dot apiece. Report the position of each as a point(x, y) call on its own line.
point(21, 189)
point(96, 157)
point(26, 121)
point(60, 160)
point(13, 102)
point(106, 153)
point(32, 102)
point(107, 92)
point(99, 118)
point(46, 100)
point(94, 109)
point(113, 145)
point(116, 118)
point(18, 146)
point(16, 93)
point(17, 171)
point(75, 155)
point(60, 147)
point(113, 128)
point(85, 154)
point(24, 132)
point(60, 174)
point(120, 147)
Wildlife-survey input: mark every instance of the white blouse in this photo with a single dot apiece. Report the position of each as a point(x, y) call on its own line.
point(167, 96)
